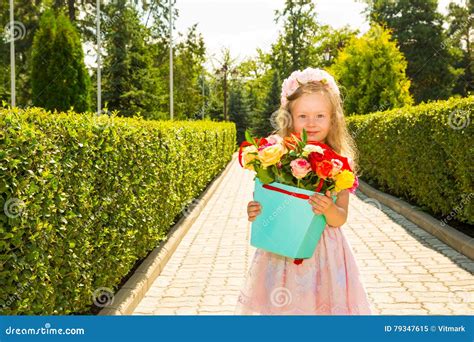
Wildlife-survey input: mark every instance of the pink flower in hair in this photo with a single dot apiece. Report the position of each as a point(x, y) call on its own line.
point(298, 78)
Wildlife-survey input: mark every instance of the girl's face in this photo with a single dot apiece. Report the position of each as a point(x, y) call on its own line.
point(313, 113)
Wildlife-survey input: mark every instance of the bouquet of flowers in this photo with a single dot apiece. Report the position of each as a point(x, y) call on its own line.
point(288, 171)
point(294, 161)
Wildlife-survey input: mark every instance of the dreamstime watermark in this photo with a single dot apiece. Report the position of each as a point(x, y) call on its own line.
point(275, 213)
point(279, 121)
point(103, 121)
point(457, 209)
point(21, 288)
point(381, 107)
point(442, 235)
point(362, 126)
point(13, 207)
point(109, 22)
point(280, 297)
point(462, 28)
point(459, 119)
point(13, 31)
point(373, 202)
point(103, 296)
point(46, 330)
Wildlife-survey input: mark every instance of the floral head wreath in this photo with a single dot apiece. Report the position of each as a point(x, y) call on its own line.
point(298, 78)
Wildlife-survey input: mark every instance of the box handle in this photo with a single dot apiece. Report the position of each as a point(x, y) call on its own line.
point(294, 194)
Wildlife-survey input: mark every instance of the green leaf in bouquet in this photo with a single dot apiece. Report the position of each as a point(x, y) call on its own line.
point(265, 175)
point(287, 177)
point(309, 186)
point(305, 137)
point(301, 144)
point(250, 139)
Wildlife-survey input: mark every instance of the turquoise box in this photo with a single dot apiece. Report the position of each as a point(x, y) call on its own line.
point(286, 225)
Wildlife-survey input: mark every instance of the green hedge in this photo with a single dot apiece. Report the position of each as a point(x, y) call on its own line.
point(423, 153)
point(88, 196)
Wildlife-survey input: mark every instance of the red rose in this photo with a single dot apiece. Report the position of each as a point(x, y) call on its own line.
point(328, 152)
point(345, 162)
point(323, 169)
point(314, 158)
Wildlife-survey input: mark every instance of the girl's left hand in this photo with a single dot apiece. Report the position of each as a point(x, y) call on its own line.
point(321, 204)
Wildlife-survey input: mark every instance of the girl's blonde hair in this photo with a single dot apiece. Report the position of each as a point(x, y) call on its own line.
point(339, 138)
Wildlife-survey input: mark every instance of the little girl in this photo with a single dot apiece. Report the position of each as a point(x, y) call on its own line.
point(329, 282)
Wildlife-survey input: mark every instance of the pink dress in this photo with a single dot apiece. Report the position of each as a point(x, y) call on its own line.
point(328, 283)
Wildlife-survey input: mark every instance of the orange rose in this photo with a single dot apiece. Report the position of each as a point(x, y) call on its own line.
point(323, 169)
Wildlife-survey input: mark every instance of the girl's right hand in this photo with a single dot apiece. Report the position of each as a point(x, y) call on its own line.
point(253, 209)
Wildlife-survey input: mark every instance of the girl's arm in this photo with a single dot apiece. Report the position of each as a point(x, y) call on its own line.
point(335, 213)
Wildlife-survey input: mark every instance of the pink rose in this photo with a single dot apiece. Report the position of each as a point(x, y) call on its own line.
point(336, 166)
point(300, 167)
point(354, 187)
point(274, 139)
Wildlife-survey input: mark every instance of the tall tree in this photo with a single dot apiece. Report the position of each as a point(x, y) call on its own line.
point(215, 101)
point(70, 6)
point(225, 70)
point(256, 77)
point(83, 16)
point(417, 26)
point(129, 81)
point(329, 42)
point(460, 32)
point(264, 122)
point(295, 48)
point(371, 71)
point(59, 77)
point(239, 108)
point(188, 71)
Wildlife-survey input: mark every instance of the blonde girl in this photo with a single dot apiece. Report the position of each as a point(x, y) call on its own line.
point(329, 282)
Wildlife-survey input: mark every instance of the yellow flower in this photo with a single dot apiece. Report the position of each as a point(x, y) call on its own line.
point(271, 155)
point(344, 180)
point(249, 153)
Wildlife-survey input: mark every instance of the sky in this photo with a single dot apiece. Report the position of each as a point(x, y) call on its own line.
point(245, 25)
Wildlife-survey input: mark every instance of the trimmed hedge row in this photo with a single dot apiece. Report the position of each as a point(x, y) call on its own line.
point(424, 153)
point(85, 197)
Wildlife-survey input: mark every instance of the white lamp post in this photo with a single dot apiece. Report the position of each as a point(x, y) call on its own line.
point(327, 55)
point(171, 60)
point(12, 56)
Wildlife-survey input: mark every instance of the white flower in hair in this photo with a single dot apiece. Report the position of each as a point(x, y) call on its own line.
point(298, 78)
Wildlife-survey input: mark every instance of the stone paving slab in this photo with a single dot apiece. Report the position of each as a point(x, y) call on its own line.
point(405, 270)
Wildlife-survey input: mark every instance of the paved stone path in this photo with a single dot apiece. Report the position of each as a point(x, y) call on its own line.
point(405, 270)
